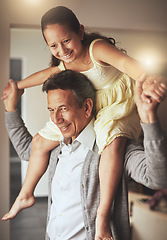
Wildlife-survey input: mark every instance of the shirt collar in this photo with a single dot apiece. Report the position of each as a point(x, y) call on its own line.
point(86, 137)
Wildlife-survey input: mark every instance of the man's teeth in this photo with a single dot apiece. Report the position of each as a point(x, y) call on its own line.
point(63, 128)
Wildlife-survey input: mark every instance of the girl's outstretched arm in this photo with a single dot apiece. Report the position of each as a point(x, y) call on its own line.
point(37, 78)
point(106, 53)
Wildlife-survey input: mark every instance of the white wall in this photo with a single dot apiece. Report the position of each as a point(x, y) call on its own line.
point(28, 45)
point(128, 14)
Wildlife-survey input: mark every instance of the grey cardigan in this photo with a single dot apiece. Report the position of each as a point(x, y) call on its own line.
point(147, 167)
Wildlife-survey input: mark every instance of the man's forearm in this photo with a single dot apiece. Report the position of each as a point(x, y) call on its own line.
point(148, 166)
point(149, 117)
point(18, 134)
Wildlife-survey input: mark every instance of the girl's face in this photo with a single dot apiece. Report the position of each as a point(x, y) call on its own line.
point(64, 44)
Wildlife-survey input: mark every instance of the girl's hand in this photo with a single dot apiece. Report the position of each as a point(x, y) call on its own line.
point(11, 96)
point(154, 88)
point(6, 91)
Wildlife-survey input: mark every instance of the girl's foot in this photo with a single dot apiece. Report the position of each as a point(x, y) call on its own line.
point(20, 203)
point(103, 230)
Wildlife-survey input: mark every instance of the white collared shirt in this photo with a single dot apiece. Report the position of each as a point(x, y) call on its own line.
point(66, 219)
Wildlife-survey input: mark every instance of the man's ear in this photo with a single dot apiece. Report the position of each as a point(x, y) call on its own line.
point(82, 31)
point(88, 107)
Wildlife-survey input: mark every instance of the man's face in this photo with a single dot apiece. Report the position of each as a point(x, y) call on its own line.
point(66, 113)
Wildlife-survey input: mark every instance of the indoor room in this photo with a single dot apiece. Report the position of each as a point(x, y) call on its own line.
point(140, 28)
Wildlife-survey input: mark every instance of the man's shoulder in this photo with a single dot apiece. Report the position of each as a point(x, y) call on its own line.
point(55, 151)
point(94, 154)
point(96, 149)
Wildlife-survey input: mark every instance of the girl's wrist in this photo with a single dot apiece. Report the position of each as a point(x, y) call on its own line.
point(149, 117)
point(18, 84)
point(142, 77)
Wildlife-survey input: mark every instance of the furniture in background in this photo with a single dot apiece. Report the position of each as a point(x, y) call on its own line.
point(146, 224)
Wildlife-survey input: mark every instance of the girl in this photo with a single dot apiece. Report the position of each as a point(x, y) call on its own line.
point(110, 71)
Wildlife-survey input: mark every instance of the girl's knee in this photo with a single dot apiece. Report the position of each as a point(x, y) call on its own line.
point(43, 144)
point(38, 142)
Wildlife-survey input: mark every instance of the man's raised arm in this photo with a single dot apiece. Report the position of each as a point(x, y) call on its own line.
point(148, 166)
point(18, 134)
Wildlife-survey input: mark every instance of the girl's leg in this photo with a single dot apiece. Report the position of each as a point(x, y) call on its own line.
point(110, 171)
point(37, 166)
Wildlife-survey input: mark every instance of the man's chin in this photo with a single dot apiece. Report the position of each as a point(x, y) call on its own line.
point(66, 135)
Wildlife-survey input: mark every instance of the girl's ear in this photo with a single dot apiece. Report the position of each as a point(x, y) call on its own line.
point(88, 106)
point(82, 31)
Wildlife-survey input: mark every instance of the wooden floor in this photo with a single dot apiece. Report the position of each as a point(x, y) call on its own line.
point(30, 223)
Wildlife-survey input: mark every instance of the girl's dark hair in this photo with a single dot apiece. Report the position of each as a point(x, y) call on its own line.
point(64, 16)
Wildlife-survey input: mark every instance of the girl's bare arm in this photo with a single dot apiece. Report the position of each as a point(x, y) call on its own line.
point(108, 54)
point(37, 78)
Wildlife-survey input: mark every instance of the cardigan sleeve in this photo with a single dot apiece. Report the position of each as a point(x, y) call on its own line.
point(18, 134)
point(148, 165)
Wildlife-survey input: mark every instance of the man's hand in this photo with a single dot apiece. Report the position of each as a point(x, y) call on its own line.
point(155, 87)
point(11, 96)
point(147, 107)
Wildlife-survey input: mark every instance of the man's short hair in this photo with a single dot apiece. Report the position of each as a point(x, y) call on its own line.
point(78, 83)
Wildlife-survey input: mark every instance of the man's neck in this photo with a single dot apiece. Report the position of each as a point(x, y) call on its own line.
point(70, 140)
point(87, 123)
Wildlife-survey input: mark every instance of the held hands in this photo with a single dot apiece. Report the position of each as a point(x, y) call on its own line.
point(7, 90)
point(11, 96)
point(156, 89)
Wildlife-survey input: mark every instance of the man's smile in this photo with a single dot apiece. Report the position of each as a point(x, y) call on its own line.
point(64, 128)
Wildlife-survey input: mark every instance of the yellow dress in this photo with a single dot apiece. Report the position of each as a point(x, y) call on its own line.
point(115, 106)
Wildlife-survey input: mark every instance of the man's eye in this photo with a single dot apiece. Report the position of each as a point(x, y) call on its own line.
point(63, 109)
point(67, 41)
point(53, 46)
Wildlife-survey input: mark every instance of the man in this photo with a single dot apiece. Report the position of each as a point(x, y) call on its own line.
point(73, 166)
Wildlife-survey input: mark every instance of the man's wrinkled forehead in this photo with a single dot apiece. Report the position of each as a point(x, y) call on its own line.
point(59, 97)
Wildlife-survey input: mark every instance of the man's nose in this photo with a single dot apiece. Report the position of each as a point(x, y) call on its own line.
point(57, 117)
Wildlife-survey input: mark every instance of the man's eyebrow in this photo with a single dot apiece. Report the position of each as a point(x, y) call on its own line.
point(63, 105)
point(52, 43)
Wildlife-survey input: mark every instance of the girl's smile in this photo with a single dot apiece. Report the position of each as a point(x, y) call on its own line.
point(66, 56)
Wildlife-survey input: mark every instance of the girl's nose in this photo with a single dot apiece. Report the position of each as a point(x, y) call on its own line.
point(62, 49)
